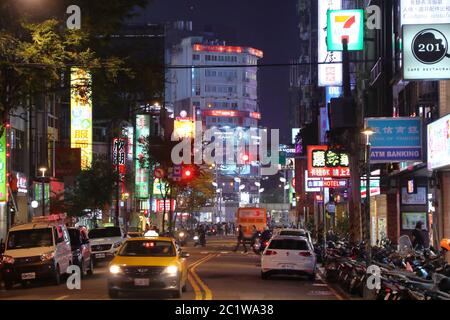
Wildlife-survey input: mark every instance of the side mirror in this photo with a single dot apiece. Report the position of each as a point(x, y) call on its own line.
point(185, 255)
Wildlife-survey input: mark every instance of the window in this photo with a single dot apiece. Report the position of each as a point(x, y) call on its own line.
point(147, 248)
point(31, 238)
point(288, 244)
point(196, 57)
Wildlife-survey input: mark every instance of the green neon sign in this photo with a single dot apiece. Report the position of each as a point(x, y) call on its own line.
point(141, 173)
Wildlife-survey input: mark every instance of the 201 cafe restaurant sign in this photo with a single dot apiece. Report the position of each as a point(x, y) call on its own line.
point(439, 144)
point(425, 52)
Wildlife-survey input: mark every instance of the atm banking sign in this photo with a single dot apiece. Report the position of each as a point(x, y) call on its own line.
point(345, 24)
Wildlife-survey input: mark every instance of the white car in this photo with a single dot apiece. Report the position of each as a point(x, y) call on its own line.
point(37, 250)
point(288, 255)
point(105, 242)
point(296, 233)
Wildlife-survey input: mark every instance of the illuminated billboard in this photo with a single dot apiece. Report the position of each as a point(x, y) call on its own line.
point(81, 115)
point(325, 163)
point(183, 128)
point(141, 172)
point(345, 24)
point(424, 12)
point(425, 52)
point(439, 144)
point(3, 186)
point(329, 74)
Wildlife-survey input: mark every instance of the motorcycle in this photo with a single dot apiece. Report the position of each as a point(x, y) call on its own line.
point(199, 240)
point(181, 237)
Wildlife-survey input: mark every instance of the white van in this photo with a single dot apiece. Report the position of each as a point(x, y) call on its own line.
point(37, 250)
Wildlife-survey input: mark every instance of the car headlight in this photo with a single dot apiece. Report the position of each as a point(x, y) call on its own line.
point(172, 270)
point(181, 234)
point(8, 260)
point(47, 256)
point(116, 244)
point(114, 269)
point(196, 238)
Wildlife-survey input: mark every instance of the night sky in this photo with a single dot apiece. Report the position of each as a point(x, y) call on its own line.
point(269, 25)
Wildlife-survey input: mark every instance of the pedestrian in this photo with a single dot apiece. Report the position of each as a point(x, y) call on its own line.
point(254, 234)
point(240, 239)
point(227, 229)
point(418, 236)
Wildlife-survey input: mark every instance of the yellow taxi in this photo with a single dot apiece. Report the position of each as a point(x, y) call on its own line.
point(148, 264)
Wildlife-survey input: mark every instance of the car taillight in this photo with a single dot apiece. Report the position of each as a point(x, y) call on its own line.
point(266, 243)
point(270, 253)
point(305, 253)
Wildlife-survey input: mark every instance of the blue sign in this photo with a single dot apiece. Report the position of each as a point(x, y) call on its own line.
point(395, 139)
point(332, 92)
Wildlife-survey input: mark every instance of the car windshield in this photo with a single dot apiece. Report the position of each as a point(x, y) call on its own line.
point(288, 244)
point(291, 233)
point(148, 248)
point(74, 237)
point(32, 238)
point(104, 233)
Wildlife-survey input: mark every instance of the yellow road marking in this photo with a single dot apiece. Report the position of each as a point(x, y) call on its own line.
point(207, 292)
point(197, 290)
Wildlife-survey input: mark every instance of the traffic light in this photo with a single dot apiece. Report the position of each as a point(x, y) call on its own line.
point(187, 172)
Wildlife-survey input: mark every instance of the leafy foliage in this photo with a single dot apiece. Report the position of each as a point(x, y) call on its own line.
point(92, 190)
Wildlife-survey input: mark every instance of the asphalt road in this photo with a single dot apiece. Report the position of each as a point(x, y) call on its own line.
point(216, 272)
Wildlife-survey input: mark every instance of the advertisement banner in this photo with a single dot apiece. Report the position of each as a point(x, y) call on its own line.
point(395, 139)
point(183, 128)
point(3, 167)
point(425, 52)
point(424, 12)
point(345, 24)
point(410, 219)
point(326, 163)
point(142, 173)
point(439, 143)
point(329, 74)
point(118, 154)
point(81, 114)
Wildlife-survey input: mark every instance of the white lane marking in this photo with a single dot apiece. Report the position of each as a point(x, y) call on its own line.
point(320, 284)
point(61, 298)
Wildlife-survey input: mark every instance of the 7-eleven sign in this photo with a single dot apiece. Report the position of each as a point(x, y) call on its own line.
point(345, 24)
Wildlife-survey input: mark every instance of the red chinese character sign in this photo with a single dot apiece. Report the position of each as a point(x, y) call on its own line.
point(325, 163)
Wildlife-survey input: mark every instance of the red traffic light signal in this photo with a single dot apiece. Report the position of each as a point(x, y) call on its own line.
point(187, 173)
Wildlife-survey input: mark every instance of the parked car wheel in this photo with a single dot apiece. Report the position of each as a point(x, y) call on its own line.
point(57, 276)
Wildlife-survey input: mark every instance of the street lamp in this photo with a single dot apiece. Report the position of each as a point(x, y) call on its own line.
point(368, 132)
point(43, 170)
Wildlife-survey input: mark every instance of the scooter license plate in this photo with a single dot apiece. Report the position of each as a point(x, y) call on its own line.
point(28, 276)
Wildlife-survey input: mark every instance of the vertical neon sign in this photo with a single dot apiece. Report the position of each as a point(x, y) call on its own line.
point(81, 115)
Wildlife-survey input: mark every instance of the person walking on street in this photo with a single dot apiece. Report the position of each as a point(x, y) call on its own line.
point(240, 239)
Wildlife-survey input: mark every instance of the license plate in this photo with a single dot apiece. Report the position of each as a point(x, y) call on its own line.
point(29, 275)
point(286, 266)
point(100, 255)
point(141, 282)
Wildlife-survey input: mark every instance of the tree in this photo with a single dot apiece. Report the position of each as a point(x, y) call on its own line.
point(197, 194)
point(35, 50)
point(92, 190)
